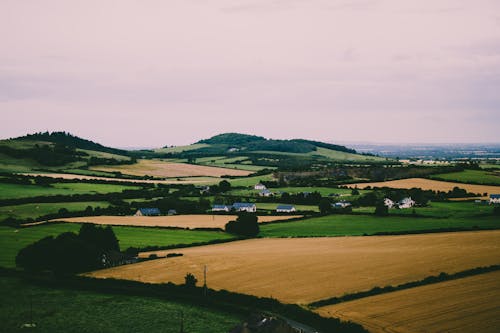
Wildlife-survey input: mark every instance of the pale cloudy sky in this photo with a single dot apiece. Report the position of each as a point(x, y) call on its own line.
point(162, 72)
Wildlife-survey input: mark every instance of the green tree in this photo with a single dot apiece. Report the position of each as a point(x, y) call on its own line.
point(224, 186)
point(325, 206)
point(190, 280)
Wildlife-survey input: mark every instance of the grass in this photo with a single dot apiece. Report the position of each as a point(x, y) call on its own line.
point(250, 181)
point(180, 149)
point(35, 210)
point(15, 191)
point(470, 177)
point(357, 225)
point(60, 310)
point(13, 240)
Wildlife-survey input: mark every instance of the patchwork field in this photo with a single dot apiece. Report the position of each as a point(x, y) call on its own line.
point(471, 176)
point(180, 221)
point(39, 209)
point(159, 168)
point(465, 305)
point(302, 270)
point(187, 180)
point(13, 240)
point(429, 184)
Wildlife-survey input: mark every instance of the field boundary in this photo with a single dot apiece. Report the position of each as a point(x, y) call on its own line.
point(442, 277)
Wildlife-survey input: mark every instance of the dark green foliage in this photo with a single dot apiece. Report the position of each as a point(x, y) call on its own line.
point(496, 210)
point(233, 139)
point(355, 191)
point(325, 206)
point(56, 155)
point(69, 253)
point(224, 186)
point(381, 209)
point(190, 280)
point(245, 225)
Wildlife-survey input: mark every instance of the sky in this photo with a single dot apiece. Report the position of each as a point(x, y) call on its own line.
point(150, 73)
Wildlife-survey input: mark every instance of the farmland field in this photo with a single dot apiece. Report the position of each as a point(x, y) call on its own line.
point(35, 210)
point(357, 225)
point(272, 206)
point(65, 310)
point(469, 304)
point(302, 270)
point(159, 168)
point(429, 184)
point(181, 221)
point(13, 240)
point(14, 191)
point(471, 177)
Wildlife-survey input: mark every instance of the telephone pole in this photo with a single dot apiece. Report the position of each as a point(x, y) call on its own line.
point(205, 281)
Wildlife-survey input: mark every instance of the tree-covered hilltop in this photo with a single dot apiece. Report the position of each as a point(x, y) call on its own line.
point(69, 140)
point(259, 143)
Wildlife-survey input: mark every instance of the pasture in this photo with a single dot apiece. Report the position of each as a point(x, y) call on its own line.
point(180, 221)
point(13, 240)
point(302, 270)
point(65, 310)
point(15, 191)
point(357, 225)
point(464, 305)
point(159, 168)
point(429, 184)
point(471, 177)
point(35, 210)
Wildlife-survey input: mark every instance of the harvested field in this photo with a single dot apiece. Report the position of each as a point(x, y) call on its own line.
point(465, 305)
point(429, 184)
point(303, 270)
point(180, 221)
point(187, 180)
point(159, 168)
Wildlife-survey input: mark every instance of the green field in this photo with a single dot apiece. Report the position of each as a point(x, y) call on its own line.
point(440, 209)
point(249, 181)
point(13, 240)
point(65, 310)
point(15, 191)
point(180, 149)
point(35, 210)
point(471, 177)
point(272, 206)
point(356, 225)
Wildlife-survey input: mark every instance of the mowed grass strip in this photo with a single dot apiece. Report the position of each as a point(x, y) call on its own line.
point(60, 310)
point(464, 305)
point(357, 225)
point(39, 209)
point(471, 177)
point(303, 270)
point(16, 191)
point(13, 240)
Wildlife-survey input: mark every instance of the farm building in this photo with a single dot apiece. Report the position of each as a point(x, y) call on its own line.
point(260, 187)
point(265, 193)
point(148, 212)
point(494, 199)
point(341, 205)
point(245, 207)
point(285, 209)
point(406, 203)
point(388, 202)
point(221, 208)
point(172, 212)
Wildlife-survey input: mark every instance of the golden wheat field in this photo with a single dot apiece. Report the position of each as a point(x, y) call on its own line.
point(159, 168)
point(459, 306)
point(429, 184)
point(303, 270)
point(186, 180)
point(180, 221)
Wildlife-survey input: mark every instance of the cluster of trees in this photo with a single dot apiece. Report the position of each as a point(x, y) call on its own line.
point(70, 253)
point(49, 155)
point(245, 225)
point(109, 161)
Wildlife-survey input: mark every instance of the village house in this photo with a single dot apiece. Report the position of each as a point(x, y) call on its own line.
point(265, 193)
point(172, 212)
point(148, 212)
point(388, 202)
point(245, 207)
point(406, 203)
point(285, 209)
point(341, 205)
point(260, 187)
point(221, 208)
point(494, 199)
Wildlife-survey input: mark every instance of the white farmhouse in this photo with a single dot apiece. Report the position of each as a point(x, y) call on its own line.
point(265, 193)
point(406, 203)
point(388, 202)
point(245, 207)
point(285, 209)
point(260, 187)
point(221, 208)
point(494, 199)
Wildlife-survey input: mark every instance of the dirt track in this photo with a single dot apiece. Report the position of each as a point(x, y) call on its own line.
point(465, 305)
point(302, 270)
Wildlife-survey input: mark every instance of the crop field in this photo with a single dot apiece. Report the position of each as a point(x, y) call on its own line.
point(14, 191)
point(35, 210)
point(302, 270)
point(181, 221)
point(471, 177)
point(429, 184)
point(55, 309)
point(159, 168)
point(358, 225)
point(13, 240)
point(469, 304)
